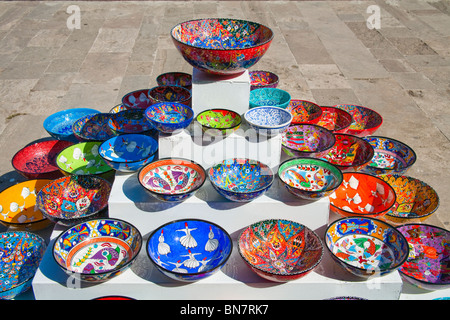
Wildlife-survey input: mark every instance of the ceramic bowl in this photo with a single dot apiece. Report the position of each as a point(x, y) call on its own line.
point(221, 46)
point(349, 153)
point(241, 180)
point(129, 152)
point(189, 249)
point(176, 94)
point(309, 178)
point(93, 127)
point(21, 255)
point(118, 108)
point(138, 99)
point(416, 200)
point(130, 121)
point(307, 140)
point(428, 260)
point(366, 247)
point(172, 179)
point(269, 97)
point(334, 119)
point(390, 156)
point(38, 160)
point(268, 121)
point(169, 117)
point(362, 194)
point(59, 124)
point(97, 250)
point(181, 79)
point(305, 112)
point(280, 250)
point(72, 199)
point(219, 122)
point(263, 79)
point(365, 121)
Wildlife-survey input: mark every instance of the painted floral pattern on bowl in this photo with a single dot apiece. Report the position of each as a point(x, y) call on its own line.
point(175, 79)
point(219, 121)
point(334, 119)
point(263, 79)
point(130, 121)
point(168, 93)
point(307, 140)
point(269, 97)
point(304, 111)
point(169, 117)
point(94, 127)
point(365, 121)
point(268, 121)
point(138, 99)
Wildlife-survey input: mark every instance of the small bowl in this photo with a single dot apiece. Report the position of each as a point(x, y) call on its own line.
point(59, 124)
point(93, 127)
point(304, 112)
point(263, 79)
point(169, 117)
point(280, 250)
point(390, 156)
point(241, 180)
point(72, 199)
point(22, 253)
point(38, 160)
point(219, 122)
point(269, 97)
point(307, 140)
point(309, 178)
point(129, 152)
point(268, 121)
point(189, 250)
point(427, 264)
point(416, 200)
point(97, 250)
point(365, 121)
point(118, 108)
point(176, 94)
point(349, 153)
point(362, 194)
point(130, 121)
point(172, 179)
point(181, 79)
point(366, 247)
point(138, 99)
point(334, 119)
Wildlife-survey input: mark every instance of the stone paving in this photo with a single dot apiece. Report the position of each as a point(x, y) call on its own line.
point(323, 51)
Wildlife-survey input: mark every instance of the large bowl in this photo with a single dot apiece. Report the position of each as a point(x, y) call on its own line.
point(38, 160)
point(189, 249)
point(334, 119)
point(309, 178)
point(263, 79)
point(365, 121)
point(428, 260)
point(138, 99)
point(280, 250)
point(130, 121)
point(269, 97)
point(219, 122)
point(167, 93)
point(72, 199)
point(169, 117)
point(241, 180)
point(307, 140)
point(181, 79)
point(221, 46)
point(268, 121)
point(21, 254)
point(304, 111)
point(93, 127)
point(390, 156)
point(172, 179)
point(366, 247)
point(362, 194)
point(97, 250)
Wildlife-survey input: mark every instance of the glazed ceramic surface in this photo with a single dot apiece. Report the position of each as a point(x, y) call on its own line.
point(138, 99)
point(219, 122)
point(241, 180)
point(97, 250)
point(118, 108)
point(221, 46)
point(307, 140)
point(189, 250)
point(93, 127)
point(263, 79)
point(280, 250)
point(169, 117)
point(334, 119)
point(366, 247)
point(304, 111)
point(309, 178)
point(168, 93)
point(130, 121)
point(362, 194)
point(428, 262)
point(268, 121)
point(269, 97)
point(175, 79)
point(365, 121)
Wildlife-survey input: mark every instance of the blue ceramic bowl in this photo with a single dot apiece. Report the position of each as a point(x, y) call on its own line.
point(59, 124)
point(137, 99)
point(169, 117)
point(241, 180)
point(128, 152)
point(268, 121)
point(269, 97)
point(93, 127)
point(130, 121)
point(189, 250)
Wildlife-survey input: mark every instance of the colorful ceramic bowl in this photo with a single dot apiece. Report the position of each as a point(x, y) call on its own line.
point(269, 97)
point(190, 249)
point(365, 121)
point(429, 256)
point(366, 247)
point(72, 199)
point(176, 94)
point(307, 140)
point(118, 108)
point(181, 79)
point(303, 111)
point(97, 250)
point(241, 180)
point(169, 117)
point(172, 179)
point(221, 46)
point(59, 124)
point(21, 254)
point(130, 121)
point(263, 79)
point(129, 152)
point(38, 160)
point(219, 122)
point(138, 99)
point(280, 250)
point(334, 119)
point(349, 153)
point(268, 121)
point(362, 194)
point(309, 178)
point(93, 127)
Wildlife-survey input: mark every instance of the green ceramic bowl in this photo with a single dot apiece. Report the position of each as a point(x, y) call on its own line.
point(219, 121)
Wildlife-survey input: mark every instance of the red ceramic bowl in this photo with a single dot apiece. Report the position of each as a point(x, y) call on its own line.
point(334, 119)
point(263, 79)
point(304, 111)
point(181, 79)
point(138, 99)
point(178, 94)
point(365, 121)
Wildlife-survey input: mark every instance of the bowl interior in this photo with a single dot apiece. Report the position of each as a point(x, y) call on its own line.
point(390, 154)
point(307, 138)
point(93, 127)
point(261, 78)
point(349, 151)
point(304, 111)
point(138, 99)
point(363, 118)
point(130, 121)
point(60, 123)
point(169, 94)
point(219, 119)
point(335, 119)
point(128, 148)
point(269, 97)
point(174, 79)
point(268, 117)
point(81, 159)
point(169, 113)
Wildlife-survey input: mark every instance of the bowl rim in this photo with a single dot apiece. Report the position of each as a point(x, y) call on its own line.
point(53, 116)
point(377, 115)
point(219, 109)
point(176, 87)
point(357, 138)
point(274, 273)
point(126, 95)
point(345, 128)
point(326, 131)
point(185, 74)
point(178, 104)
point(154, 231)
point(79, 134)
point(282, 125)
point(272, 74)
point(284, 92)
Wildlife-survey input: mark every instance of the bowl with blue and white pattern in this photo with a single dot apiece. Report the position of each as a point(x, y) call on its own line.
point(267, 120)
